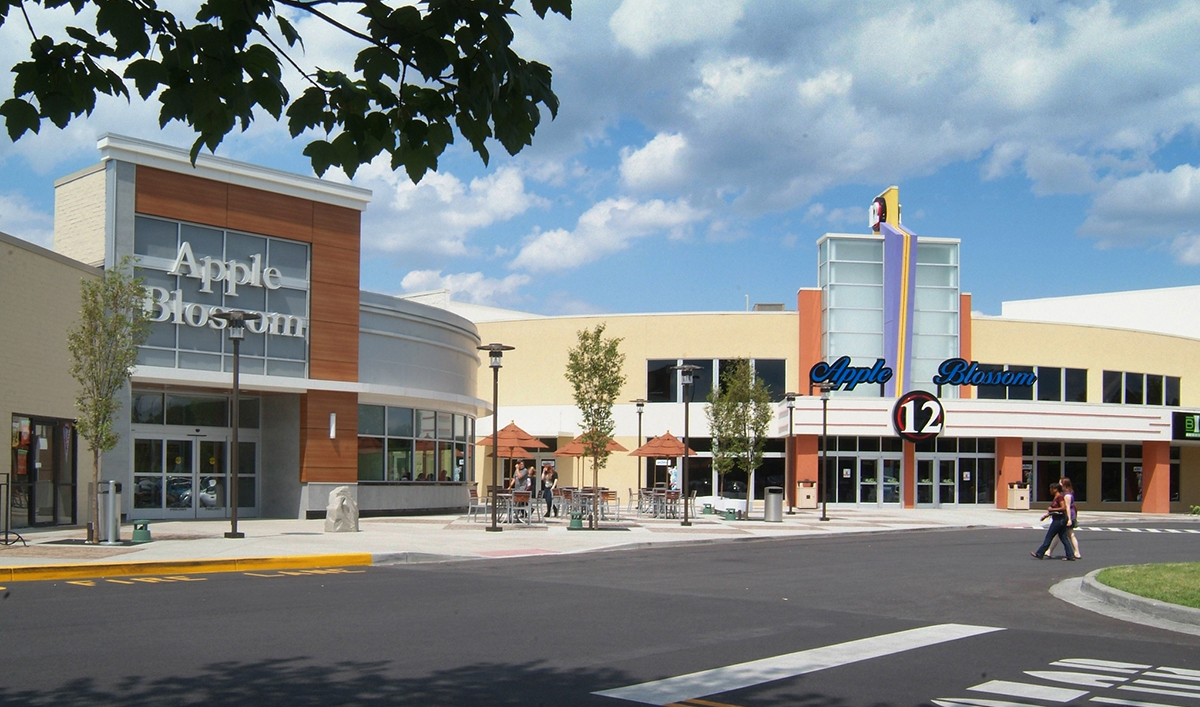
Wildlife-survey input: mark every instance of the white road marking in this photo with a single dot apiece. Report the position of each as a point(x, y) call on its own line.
point(1183, 673)
point(735, 677)
point(1172, 530)
point(1153, 530)
point(968, 702)
point(1156, 691)
point(1093, 664)
point(1081, 679)
point(1129, 703)
point(1024, 689)
point(1160, 683)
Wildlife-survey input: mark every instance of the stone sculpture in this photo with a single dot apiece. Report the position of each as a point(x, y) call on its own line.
point(341, 515)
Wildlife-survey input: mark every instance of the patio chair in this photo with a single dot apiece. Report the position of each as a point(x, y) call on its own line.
point(477, 505)
point(609, 499)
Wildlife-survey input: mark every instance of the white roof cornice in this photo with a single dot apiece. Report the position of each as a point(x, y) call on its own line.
point(221, 169)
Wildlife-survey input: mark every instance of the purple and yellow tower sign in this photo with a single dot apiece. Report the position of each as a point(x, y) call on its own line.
point(899, 288)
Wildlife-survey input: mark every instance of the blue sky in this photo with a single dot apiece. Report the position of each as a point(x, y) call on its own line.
point(703, 146)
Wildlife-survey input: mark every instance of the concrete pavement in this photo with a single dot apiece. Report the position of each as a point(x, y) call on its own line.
point(200, 545)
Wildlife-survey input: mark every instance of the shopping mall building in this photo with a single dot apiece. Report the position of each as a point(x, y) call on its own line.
point(382, 393)
point(1096, 388)
point(324, 362)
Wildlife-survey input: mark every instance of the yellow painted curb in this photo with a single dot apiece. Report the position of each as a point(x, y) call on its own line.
point(41, 573)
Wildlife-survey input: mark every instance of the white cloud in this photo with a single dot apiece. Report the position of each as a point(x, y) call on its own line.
point(661, 162)
point(607, 227)
point(475, 287)
point(20, 218)
point(440, 213)
point(1152, 206)
point(645, 27)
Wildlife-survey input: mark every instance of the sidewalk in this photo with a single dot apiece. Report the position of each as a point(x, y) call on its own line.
point(200, 546)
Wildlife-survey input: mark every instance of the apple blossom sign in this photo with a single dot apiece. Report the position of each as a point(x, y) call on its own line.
point(220, 276)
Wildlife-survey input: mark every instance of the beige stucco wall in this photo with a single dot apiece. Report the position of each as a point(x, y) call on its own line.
point(39, 290)
point(79, 213)
point(1099, 349)
point(534, 373)
point(1094, 348)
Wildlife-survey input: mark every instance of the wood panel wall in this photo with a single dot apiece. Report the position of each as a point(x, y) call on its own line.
point(321, 458)
point(333, 233)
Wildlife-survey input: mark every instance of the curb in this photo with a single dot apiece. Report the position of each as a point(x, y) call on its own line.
point(1154, 608)
point(41, 573)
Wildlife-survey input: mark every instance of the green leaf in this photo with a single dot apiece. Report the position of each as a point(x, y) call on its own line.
point(19, 116)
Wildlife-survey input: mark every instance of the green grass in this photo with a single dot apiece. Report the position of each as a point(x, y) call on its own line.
point(1175, 582)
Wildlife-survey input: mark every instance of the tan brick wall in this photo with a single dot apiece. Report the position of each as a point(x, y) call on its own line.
point(79, 215)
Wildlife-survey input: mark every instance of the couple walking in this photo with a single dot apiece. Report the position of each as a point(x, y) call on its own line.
point(1063, 521)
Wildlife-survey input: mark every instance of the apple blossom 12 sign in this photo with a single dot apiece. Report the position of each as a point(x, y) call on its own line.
point(918, 416)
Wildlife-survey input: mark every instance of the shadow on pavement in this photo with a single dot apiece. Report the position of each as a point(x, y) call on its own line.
point(296, 682)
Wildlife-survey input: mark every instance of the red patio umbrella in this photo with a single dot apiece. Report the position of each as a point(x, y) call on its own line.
point(665, 445)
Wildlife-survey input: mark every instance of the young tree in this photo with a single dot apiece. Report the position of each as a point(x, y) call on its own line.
point(104, 346)
point(594, 369)
point(420, 72)
point(739, 414)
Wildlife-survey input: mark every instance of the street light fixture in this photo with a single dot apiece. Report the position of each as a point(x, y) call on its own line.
point(235, 321)
point(641, 407)
point(822, 480)
point(495, 353)
point(686, 371)
point(791, 460)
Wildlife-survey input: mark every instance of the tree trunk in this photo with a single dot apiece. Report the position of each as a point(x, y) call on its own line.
point(95, 495)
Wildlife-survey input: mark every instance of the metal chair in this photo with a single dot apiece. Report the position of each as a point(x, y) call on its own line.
point(477, 505)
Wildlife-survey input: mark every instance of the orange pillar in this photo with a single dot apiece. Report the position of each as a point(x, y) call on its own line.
point(1156, 477)
point(808, 458)
point(1008, 467)
point(908, 475)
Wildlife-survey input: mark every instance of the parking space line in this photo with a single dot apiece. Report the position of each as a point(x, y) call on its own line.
point(741, 675)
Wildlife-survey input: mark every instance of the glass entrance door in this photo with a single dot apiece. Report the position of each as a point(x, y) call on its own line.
point(189, 478)
point(946, 481)
point(878, 480)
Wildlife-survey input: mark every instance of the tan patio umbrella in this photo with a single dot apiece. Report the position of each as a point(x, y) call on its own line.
point(515, 443)
point(665, 445)
point(575, 448)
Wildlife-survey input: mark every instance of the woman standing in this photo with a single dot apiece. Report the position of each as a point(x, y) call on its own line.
point(549, 483)
point(1057, 513)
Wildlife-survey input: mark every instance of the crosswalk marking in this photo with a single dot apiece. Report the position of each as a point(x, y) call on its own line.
point(1110, 529)
point(1111, 666)
point(1024, 689)
point(741, 675)
point(1129, 703)
point(1072, 678)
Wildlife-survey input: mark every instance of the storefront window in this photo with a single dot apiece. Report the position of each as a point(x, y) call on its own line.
point(410, 452)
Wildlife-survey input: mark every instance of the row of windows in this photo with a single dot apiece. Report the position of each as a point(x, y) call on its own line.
point(407, 444)
point(1053, 384)
point(157, 408)
point(664, 385)
point(1141, 389)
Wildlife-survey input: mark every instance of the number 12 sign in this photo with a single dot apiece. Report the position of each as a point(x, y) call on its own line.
point(918, 416)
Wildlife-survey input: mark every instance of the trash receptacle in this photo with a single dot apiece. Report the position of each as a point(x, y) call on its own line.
point(806, 494)
point(108, 526)
point(773, 512)
point(1018, 497)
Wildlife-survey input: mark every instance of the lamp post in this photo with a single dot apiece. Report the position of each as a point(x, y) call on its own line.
point(825, 388)
point(791, 451)
point(641, 407)
point(686, 371)
point(235, 320)
point(495, 353)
